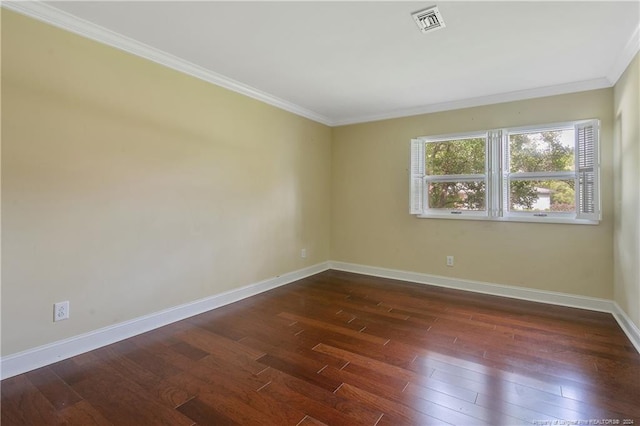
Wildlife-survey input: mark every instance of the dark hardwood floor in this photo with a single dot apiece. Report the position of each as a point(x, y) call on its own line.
point(346, 349)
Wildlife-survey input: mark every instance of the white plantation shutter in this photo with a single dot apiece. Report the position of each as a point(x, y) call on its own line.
point(416, 172)
point(587, 165)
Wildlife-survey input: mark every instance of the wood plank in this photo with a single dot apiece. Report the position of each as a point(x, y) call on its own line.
point(204, 414)
point(24, 404)
point(372, 364)
point(234, 400)
point(310, 421)
point(82, 414)
point(59, 394)
point(300, 344)
point(340, 330)
point(318, 402)
point(344, 349)
point(122, 401)
point(302, 369)
point(399, 412)
point(469, 408)
point(158, 387)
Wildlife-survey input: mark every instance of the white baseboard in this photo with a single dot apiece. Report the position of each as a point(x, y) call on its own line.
point(629, 328)
point(31, 359)
point(550, 297)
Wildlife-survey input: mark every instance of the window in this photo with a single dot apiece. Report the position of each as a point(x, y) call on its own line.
point(543, 173)
point(456, 174)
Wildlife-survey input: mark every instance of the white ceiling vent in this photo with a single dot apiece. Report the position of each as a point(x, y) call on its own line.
point(429, 19)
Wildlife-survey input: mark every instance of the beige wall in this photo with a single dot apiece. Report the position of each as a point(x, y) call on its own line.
point(371, 225)
point(128, 188)
point(627, 192)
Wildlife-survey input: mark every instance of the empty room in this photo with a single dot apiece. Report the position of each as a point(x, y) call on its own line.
point(330, 212)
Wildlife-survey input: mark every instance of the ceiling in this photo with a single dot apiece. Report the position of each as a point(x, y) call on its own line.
point(346, 62)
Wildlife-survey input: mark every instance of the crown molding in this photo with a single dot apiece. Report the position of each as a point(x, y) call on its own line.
point(66, 21)
point(538, 92)
point(56, 17)
point(625, 57)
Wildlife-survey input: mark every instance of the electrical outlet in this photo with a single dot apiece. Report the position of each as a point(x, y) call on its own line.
point(303, 253)
point(61, 311)
point(449, 260)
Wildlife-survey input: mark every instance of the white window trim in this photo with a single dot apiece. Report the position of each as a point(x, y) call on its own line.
point(497, 178)
point(451, 213)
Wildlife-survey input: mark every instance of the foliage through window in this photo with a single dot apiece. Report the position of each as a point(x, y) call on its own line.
point(456, 174)
point(542, 171)
point(535, 173)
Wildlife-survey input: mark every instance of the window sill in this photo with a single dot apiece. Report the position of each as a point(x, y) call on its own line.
point(522, 219)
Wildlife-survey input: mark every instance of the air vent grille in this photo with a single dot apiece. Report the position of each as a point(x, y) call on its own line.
point(429, 19)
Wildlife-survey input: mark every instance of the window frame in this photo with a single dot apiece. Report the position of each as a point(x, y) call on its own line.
point(498, 176)
point(457, 178)
point(520, 176)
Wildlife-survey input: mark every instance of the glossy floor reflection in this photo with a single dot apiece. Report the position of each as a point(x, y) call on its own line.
point(344, 349)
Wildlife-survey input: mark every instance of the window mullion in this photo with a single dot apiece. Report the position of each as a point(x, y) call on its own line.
point(542, 175)
point(455, 178)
